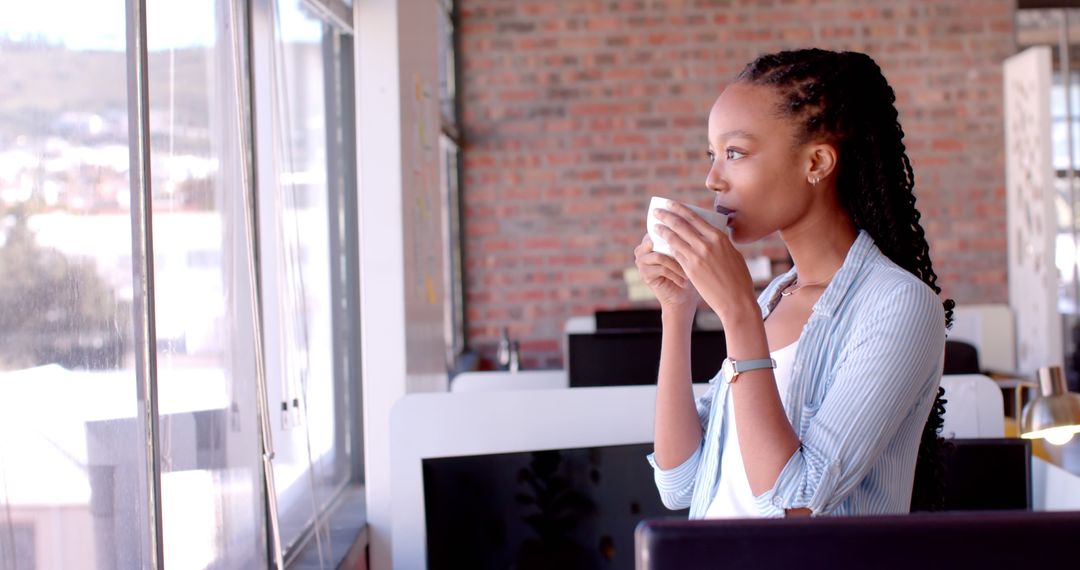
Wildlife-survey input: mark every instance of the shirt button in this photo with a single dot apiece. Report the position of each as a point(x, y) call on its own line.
point(777, 501)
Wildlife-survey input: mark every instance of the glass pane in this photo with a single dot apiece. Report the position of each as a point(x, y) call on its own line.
point(311, 463)
point(72, 465)
point(453, 303)
point(212, 498)
point(447, 82)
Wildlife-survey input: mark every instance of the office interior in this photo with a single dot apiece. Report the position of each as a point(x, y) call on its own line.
point(350, 283)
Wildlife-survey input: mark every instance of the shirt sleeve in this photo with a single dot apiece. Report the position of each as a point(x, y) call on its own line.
point(891, 368)
point(676, 485)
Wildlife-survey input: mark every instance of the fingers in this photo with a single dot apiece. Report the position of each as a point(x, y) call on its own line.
point(677, 222)
point(654, 265)
point(646, 246)
point(676, 240)
point(692, 218)
point(655, 274)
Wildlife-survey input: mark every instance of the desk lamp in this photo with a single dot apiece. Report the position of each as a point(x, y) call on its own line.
point(1055, 415)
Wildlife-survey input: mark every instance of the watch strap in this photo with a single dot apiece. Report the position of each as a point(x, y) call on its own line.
point(739, 366)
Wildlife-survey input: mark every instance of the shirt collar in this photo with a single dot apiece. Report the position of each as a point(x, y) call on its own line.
point(837, 289)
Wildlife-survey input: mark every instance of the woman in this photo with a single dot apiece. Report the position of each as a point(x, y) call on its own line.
point(832, 372)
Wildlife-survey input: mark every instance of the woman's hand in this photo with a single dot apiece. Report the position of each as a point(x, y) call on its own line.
point(666, 279)
point(707, 257)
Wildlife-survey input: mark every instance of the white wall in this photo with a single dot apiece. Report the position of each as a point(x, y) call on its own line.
point(401, 267)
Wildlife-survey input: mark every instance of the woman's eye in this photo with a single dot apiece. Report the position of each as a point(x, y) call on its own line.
point(710, 155)
point(733, 154)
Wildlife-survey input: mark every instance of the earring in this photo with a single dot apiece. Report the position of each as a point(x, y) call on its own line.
point(814, 181)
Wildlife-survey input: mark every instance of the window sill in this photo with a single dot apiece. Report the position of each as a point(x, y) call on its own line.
point(348, 536)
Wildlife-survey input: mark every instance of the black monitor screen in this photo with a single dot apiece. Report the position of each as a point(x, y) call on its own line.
point(632, 357)
point(570, 508)
point(629, 319)
point(987, 474)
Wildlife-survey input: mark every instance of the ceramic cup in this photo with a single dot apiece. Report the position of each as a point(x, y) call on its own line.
point(716, 219)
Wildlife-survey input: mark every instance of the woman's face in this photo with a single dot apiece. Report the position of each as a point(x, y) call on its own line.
point(758, 172)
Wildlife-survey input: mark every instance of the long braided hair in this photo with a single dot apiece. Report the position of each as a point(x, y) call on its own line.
point(844, 99)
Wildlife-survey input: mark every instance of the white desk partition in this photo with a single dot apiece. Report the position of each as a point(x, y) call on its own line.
point(974, 407)
point(1053, 488)
point(500, 380)
point(480, 423)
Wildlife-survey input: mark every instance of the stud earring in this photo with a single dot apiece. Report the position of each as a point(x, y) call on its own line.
point(814, 181)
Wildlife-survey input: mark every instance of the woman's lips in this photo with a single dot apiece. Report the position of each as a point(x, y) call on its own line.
point(727, 212)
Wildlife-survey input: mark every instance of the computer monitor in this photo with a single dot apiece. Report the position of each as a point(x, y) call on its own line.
point(628, 319)
point(502, 430)
point(560, 508)
point(632, 357)
point(988, 474)
point(999, 539)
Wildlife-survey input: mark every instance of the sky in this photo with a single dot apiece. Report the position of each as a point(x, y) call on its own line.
point(100, 24)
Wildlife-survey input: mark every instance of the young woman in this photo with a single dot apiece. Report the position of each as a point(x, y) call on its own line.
point(830, 384)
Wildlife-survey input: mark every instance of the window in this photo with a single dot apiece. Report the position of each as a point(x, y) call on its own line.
point(450, 190)
point(211, 476)
point(301, 240)
point(72, 478)
point(252, 208)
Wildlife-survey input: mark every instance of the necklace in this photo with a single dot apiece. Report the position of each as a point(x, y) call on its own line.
point(795, 285)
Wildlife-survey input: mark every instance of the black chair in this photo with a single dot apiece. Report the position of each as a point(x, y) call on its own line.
point(961, 358)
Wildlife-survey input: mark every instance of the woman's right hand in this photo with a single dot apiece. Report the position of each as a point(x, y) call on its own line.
point(666, 279)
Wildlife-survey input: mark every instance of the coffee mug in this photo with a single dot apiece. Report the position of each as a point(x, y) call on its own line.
point(716, 219)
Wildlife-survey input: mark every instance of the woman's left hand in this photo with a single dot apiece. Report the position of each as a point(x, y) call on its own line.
point(717, 270)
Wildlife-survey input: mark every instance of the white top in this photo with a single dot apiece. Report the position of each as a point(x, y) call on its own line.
point(733, 496)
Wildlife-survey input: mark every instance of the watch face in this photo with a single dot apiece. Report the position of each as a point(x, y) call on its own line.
point(728, 370)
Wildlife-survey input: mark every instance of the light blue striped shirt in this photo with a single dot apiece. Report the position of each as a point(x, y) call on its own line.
point(865, 375)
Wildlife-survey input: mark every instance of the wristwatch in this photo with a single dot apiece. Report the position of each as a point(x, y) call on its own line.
point(732, 368)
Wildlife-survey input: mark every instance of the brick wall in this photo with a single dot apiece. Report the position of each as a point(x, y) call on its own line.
point(576, 111)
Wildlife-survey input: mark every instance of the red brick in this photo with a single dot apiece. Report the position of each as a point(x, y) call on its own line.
point(576, 111)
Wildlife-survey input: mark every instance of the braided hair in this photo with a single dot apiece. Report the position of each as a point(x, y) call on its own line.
point(844, 99)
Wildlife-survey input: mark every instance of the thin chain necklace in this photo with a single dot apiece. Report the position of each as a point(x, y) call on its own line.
point(795, 285)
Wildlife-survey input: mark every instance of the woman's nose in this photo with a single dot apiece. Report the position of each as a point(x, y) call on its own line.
point(713, 180)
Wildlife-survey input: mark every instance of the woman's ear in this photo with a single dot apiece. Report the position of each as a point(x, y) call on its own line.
point(821, 163)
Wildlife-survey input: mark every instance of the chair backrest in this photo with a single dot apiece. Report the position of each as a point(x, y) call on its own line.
point(974, 407)
point(930, 540)
point(961, 357)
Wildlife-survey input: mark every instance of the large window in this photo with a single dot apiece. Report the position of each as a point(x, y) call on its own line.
point(302, 239)
point(250, 290)
point(72, 467)
point(212, 507)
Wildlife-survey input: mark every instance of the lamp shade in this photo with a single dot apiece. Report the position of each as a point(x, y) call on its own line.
point(1055, 415)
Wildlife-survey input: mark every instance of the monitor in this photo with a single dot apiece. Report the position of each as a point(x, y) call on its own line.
point(628, 319)
point(632, 357)
point(988, 474)
point(556, 508)
point(502, 430)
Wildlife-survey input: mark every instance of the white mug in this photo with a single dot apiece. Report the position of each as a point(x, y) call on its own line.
point(716, 219)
